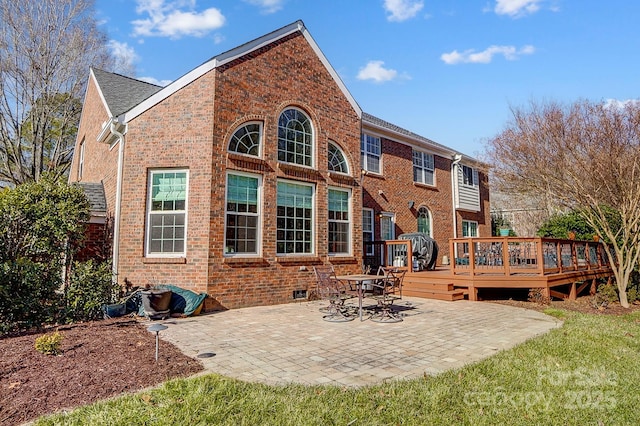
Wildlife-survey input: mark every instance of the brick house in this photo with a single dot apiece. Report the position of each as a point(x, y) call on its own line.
point(241, 175)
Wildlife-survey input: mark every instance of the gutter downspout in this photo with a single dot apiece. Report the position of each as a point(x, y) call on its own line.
point(116, 219)
point(454, 188)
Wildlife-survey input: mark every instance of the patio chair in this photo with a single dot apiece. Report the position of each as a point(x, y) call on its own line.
point(336, 292)
point(387, 290)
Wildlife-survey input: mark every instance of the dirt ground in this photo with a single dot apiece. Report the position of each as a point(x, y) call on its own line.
point(106, 358)
point(99, 360)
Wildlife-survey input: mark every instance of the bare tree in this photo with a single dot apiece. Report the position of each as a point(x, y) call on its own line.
point(46, 49)
point(586, 156)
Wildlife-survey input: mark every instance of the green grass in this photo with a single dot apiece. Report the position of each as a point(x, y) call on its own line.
point(586, 372)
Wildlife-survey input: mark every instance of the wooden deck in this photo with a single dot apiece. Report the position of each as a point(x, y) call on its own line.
point(559, 268)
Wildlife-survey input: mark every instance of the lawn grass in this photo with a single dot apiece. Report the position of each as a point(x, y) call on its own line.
point(586, 372)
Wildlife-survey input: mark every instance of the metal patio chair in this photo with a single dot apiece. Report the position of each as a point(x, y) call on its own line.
point(335, 292)
point(387, 290)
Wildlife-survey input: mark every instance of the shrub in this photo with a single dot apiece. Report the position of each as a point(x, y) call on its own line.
point(40, 223)
point(90, 287)
point(28, 295)
point(49, 344)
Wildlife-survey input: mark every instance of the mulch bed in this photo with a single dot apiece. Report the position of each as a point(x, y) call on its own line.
point(99, 360)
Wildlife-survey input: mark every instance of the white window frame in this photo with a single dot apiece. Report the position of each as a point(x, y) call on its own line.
point(429, 219)
point(392, 222)
point(81, 160)
point(258, 251)
point(466, 227)
point(260, 143)
point(423, 169)
point(150, 213)
point(369, 250)
point(365, 153)
point(473, 178)
point(313, 218)
point(349, 222)
point(344, 159)
point(313, 139)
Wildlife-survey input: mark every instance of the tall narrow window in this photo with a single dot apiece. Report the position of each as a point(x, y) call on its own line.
point(295, 138)
point(339, 223)
point(424, 220)
point(294, 233)
point(243, 214)
point(246, 140)
point(367, 231)
point(370, 151)
point(81, 160)
point(336, 159)
point(423, 167)
point(469, 176)
point(387, 226)
point(167, 210)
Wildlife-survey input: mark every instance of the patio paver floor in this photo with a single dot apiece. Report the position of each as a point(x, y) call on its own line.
point(292, 343)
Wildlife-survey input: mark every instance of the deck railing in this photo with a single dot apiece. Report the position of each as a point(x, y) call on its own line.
point(535, 256)
point(387, 253)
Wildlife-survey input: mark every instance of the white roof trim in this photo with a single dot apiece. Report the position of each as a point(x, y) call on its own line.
point(234, 54)
point(377, 130)
point(104, 101)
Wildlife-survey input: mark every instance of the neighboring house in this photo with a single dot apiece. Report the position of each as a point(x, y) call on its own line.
point(240, 176)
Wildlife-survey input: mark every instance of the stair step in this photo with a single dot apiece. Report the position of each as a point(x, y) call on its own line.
point(428, 285)
point(435, 294)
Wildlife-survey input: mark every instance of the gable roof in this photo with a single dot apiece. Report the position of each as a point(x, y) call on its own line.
point(236, 53)
point(121, 93)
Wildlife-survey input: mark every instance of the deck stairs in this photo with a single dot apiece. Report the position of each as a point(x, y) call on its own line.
point(429, 287)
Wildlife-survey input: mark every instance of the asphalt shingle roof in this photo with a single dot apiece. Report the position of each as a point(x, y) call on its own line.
point(123, 93)
point(397, 129)
point(95, 194)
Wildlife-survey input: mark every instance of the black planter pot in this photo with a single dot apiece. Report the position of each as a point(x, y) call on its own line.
point(156, 303)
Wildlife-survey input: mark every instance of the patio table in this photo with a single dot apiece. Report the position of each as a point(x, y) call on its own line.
point(359, 280)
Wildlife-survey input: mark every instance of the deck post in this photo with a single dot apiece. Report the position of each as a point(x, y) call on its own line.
point(473, 293)
point(593, 289)
point(572, 292)
point(539, 256)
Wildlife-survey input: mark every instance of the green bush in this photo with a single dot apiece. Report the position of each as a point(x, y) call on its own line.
point(41, 224)
point(28, 295)
point(49, 344)
point(90, 287)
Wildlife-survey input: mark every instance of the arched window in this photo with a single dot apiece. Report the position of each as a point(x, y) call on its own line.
point(336, 159)
point(424, 220)
point(246, 140)
point(295, 138)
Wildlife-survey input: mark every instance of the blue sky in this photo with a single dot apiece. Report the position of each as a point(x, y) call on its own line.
point(448, 70)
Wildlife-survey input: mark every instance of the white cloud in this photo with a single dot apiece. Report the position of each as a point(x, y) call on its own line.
point(125, 57)
point(155, 81)
point(517, 8)
point(267, 6)
point(472, 57)
point(123, 52)
point(618, 104)
point(166, 19)
point(401, 10)
point(375, 71)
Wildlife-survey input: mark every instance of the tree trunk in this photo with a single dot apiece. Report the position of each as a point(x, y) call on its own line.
point(622, 293)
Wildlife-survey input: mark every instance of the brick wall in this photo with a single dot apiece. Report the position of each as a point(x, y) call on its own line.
point(100, 160)
point(191, 129)
point(259, 87)
point(392, 190)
